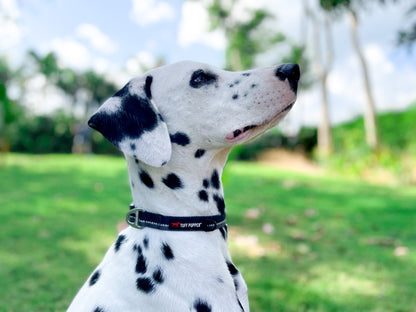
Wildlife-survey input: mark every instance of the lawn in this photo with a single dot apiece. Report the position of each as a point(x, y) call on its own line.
point(303, 243)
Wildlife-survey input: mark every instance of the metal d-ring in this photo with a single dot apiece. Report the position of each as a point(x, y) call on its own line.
point(132, 218)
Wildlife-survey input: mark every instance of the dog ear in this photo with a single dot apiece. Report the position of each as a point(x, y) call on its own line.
point(131, 121)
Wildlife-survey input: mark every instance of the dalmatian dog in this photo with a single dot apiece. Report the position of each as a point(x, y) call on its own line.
point(176, 125)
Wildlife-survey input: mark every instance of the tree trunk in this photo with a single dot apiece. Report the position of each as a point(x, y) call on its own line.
point(325, 145)
point(370, 122)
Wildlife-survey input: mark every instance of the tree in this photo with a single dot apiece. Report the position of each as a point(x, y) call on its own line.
point(408, 37)
point(350, 7)
point(9, 109)
point(323, 68)
point(245, 38)
point(85, 89)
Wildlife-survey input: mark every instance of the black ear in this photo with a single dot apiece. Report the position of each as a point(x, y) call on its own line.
point(133, 124)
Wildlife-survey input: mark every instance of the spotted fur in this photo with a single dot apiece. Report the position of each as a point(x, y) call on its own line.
point(176, 125)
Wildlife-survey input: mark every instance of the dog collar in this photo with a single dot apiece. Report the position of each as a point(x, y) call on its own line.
point(139, 219)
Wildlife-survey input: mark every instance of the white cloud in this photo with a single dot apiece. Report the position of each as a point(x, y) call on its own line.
point(194, 27)
point(141, 62)
point(96, 38)
point(377, 58)
point(71, 53)
point(147, 12)
point(9, 9)
point(101, 65)
point(40, 97)
point(10, 32)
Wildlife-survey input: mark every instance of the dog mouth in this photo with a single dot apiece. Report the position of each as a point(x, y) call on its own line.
point(241, 133)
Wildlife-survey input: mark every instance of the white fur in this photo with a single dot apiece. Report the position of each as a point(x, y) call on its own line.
point(207, 115)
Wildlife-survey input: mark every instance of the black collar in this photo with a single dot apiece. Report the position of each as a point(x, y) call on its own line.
point(138, 218)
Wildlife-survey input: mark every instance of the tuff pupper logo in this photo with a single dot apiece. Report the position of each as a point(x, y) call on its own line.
point(179, 225)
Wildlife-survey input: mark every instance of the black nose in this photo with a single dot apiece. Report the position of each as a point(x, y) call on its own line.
point(291, 72)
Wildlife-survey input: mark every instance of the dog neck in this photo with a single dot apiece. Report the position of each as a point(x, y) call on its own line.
point(188, 185)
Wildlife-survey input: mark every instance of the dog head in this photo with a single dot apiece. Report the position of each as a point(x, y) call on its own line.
point(194, 103)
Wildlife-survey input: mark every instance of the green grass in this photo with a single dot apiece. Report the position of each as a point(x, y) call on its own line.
point(332, 248)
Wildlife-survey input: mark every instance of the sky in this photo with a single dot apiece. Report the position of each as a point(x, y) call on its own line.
point(120, 38)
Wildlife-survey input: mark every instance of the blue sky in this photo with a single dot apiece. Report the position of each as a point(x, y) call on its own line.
point(119, 38)
point(44, 21)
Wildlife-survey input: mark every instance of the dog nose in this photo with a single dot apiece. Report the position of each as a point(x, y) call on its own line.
point(291, 72)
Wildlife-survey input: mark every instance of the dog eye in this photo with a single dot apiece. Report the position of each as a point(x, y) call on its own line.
point(200, 78)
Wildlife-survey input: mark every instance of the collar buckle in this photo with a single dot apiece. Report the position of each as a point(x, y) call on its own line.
point(133, 218)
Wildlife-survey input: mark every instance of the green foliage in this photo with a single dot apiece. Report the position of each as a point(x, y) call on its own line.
point(42, 134)
point(72, 82)
point(243, 43)
point(53, 134)
point(331, 5)
point(408, 37)
point(398, 144)
point(304, 141)
point(245, 40)
point(332, 249)
point(9, 109)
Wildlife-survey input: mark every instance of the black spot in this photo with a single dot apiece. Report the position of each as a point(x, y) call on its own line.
point(245, 94)
point(145, 284)
point(134, 117)
point(220, 203)
point(223, 231)
point(146, 242)
point(141, 265)
point(215, 180)
point(98, 309)
point(246, 74)
point(180, 138)
point(240, 305)
point(253, 86)
point(147, 91)
point(199, 153)
point(158, 276)
point(146, 179)
point(124, 91)
point(236, 285)
point(167, 251)
point(202, 306)
point(133, 146)
point(205, 183)
point(231, 268)
point(200, 78)
point(231, 85)
point(235, 96)
point(119, 241)
point(236, 82)
point(94, 278)
point(136, 160)
point(132, 184)
point(203, 195)
point(172, 181)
